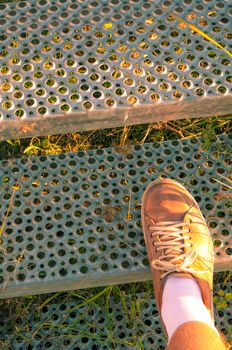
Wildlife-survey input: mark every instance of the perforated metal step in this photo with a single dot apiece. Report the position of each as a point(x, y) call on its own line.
point(68, 65)
point(73, 220)
point(130, 322)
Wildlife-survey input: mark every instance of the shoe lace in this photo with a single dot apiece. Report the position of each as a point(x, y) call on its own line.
point(171, 236)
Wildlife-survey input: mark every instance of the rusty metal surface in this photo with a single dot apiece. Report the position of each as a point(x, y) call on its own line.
point(73, 220)
point(79, 65)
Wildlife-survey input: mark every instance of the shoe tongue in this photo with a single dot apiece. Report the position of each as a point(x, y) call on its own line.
point(173, 251)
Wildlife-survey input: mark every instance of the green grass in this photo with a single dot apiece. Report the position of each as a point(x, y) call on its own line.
point(18, 312)
point(207, 128)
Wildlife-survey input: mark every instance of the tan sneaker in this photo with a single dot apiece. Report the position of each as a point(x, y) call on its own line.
point(177, 238)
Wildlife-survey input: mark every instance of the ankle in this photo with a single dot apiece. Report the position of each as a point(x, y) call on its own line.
point(182, 302)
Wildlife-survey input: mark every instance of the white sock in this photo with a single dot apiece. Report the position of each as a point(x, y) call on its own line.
point(182, 302)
